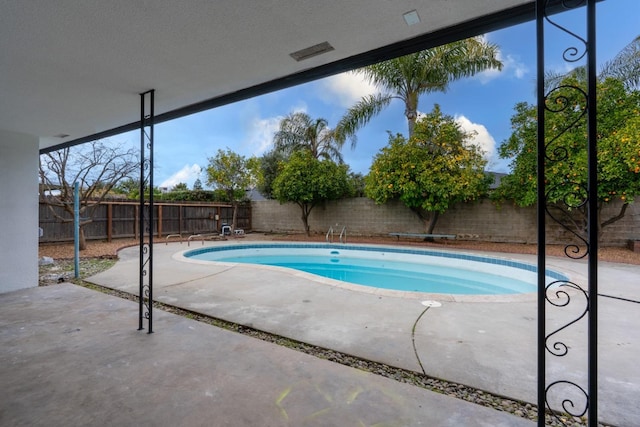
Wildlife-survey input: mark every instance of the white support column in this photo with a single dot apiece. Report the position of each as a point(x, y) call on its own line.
point(18, 211)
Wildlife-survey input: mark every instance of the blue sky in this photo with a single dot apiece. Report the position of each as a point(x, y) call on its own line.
point(483, 103)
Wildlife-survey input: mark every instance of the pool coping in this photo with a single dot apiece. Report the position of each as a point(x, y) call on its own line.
point(572, 276)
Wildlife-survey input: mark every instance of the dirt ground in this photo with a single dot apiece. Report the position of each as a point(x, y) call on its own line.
point(103, 249)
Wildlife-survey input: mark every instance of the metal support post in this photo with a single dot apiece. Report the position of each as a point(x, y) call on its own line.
point(146, 210)
point(573, 103)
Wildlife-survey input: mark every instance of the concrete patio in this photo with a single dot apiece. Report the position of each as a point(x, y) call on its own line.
point(70, 356)
point(68, 343)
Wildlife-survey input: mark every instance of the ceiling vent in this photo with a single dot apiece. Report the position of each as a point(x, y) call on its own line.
point(61, 135)
point(411, 18)
point(312, 51)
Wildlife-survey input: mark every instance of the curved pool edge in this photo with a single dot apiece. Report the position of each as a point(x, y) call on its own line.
point(571, 275)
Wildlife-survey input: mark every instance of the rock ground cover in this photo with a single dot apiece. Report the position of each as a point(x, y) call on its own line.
point(109, 249)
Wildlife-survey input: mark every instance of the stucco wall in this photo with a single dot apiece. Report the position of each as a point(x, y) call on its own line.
point(18, 211)
point(483, 219)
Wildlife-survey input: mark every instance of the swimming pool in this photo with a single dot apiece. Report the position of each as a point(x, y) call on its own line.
point(413, 270)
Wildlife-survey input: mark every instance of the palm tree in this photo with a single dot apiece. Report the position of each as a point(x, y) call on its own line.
point(625, 66)
point(298, 131)
point(408, 77)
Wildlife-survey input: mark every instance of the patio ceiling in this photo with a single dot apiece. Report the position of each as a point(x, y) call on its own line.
point(75, 68)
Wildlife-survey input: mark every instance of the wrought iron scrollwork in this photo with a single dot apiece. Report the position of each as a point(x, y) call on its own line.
point(568, 404)
point(146, 210)
point(557, 101)
point(146, 289)
point(562, 199)
point(574, 196)
point(562, 299)
point(571, 53)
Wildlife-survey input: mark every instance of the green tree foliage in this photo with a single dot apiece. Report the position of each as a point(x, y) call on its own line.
point(181, 186)
point(357, 183)
point(128, 187)
point(197, 185)
point(269, 167)
point(181, 193)
point(216, 195)
point(233, 174)
point(436, 168)
point(131, 189)
point(618, 141)
point(407, 77)
point(307, 181)
point(298, 131)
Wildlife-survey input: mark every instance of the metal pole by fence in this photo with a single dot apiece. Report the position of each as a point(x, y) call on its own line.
point(76, 229)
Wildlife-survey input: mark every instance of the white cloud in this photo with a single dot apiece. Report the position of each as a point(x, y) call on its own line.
point(260, 134)
point(481, 138)
point(511, 66)
point(188, 174)
point(345, 89)
point(519, 69)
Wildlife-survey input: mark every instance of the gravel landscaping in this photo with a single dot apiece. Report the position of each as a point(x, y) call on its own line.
point(109, 249)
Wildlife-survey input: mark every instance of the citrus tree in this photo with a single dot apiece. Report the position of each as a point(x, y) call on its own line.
point(432, 170)
point(308, 181)
point(299, 132)
point(233, 174)
point(618, 151)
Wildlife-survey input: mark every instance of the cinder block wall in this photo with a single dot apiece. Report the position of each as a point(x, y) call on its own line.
point(482, 220)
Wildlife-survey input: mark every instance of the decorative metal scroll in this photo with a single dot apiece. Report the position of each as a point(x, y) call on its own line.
point(145, 210)
point(560, 201)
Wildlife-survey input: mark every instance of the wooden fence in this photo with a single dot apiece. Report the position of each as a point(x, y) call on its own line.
point(115, 220)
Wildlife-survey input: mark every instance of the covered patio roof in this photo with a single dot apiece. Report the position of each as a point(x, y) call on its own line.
point(72, 71)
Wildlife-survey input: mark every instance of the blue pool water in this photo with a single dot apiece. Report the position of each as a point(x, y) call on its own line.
point(388, 268)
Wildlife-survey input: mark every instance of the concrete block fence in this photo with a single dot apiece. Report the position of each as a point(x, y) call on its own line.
point(482, 220)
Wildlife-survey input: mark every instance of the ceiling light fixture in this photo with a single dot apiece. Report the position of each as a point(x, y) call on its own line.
point(411, 17)
point(312, 51)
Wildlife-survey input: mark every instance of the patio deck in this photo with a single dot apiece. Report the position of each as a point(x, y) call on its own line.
point(484, 344)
